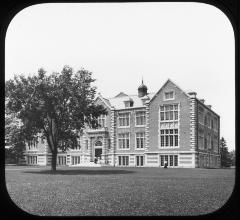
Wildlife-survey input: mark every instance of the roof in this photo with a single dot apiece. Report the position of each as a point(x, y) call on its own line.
point(121, 94)
point(118, 102)
point(169, 80)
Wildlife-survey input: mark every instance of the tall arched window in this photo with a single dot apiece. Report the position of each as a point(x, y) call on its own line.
point(98, 143)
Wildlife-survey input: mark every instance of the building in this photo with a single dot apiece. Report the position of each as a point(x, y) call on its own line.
point(145, 130)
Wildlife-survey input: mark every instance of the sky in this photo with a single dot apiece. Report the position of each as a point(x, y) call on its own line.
point(120, 43)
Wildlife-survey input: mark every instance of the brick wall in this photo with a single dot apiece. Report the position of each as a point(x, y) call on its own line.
point(184, 118)
point(132, 130)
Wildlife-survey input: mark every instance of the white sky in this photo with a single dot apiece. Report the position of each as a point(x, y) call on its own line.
point(190, 43)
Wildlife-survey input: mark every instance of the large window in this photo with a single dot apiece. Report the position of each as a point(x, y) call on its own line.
point(209, 141)
point(32, 160)
point(123, 160)
point(32, 144)
point(139, 161)
point(75, 160)
point(169, 95)
point(123, 119)
point(123, 141)
point(200, 116)
point(215, 143)
point(78, 146)
point(172, 160)
point(169, 112)
point(209, 121)
point(205, 121)
point(140, 140)
point(201, 140)
point(102, 121)
point(61, 160)
point(169, 137)
point(140, 118)
point(205, 142)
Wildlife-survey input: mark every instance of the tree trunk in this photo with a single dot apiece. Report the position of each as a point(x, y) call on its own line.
point(52, 143)
point(54, 161)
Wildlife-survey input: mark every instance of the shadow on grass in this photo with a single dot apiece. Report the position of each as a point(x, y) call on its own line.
point(81, 172)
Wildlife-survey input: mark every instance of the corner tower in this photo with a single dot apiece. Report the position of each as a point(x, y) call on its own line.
point(142, 90)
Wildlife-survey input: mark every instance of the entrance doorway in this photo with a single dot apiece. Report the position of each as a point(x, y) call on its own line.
point(98, 152)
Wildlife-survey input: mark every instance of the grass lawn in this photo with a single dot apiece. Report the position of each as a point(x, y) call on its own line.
point(119, 191)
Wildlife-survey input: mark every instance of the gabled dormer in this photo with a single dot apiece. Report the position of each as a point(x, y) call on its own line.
point(128, 102)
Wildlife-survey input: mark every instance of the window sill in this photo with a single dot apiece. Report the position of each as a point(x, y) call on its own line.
point(169, 147)
point(169, 99)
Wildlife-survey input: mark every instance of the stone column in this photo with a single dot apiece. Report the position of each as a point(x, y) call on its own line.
point(147, 128)
point(104, 149)
point(90, 144)
point(113, 136)
point(193, 122)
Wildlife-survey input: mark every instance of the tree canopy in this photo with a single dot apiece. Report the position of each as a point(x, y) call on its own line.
point(225, 156)
point(14, 139)
point(57, 106)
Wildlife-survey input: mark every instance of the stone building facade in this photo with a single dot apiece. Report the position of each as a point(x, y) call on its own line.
point(146, 130)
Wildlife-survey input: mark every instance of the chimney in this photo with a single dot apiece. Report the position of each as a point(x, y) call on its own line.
point(192, 94)
point(145, 99)
point(209, 106)
point(202, 100)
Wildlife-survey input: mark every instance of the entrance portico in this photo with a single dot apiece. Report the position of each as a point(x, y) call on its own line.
point(98, 144)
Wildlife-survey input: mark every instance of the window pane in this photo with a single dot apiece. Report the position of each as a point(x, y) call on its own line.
point(171, 140)
point(166, 139)
point(166, 158)
point(171, 160)
point(162, 160)
point(127, 146)
point(137, 142)
point(141, 160)
point(171, 115)
point(175, 115)
point(176, 140)
point(162, 116)
point(175, 160)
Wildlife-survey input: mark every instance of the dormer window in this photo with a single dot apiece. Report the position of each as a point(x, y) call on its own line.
point(128, 103)
point(169, 95)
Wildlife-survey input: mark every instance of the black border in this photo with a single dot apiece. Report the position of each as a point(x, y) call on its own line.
point(9, 8)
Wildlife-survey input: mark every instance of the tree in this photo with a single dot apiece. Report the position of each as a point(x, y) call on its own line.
point(14, 139)
point(225, 156)
point(56, 106)
point(233, 157)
